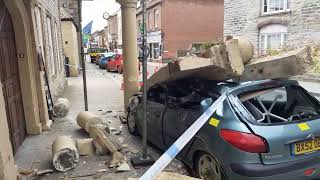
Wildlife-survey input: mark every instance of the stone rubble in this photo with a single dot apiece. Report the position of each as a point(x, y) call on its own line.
point(65, 154)
point(61, 107)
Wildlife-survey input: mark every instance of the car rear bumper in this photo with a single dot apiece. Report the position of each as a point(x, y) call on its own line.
point(260, 170)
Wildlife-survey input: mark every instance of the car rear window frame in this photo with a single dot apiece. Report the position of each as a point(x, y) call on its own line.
point(247, 116)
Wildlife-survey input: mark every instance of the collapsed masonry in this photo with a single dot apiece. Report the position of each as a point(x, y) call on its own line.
point(233, 59)
point(66, 151)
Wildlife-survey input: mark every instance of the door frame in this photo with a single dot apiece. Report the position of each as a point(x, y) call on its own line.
point(26, 63)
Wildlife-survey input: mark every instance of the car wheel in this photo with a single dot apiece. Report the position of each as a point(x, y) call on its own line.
point(119, 70)
point(206, 167)
point(132, 126)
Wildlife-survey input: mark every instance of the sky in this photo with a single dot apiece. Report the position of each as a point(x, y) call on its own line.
point(93, 10)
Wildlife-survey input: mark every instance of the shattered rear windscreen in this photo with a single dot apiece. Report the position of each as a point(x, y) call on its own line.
point(279, 105)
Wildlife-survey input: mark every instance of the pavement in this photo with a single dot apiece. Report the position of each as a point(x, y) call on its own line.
point(104, 95)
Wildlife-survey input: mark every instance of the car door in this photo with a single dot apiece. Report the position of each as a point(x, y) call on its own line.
point(155, 110)
point(111, 63)
point(176, 120)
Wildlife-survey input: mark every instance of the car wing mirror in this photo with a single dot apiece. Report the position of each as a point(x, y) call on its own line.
point(205, 104)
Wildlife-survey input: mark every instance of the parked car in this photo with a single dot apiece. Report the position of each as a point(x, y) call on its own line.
point(94, 52)
point(115, 63)
point(267, 129)
point(102, 55)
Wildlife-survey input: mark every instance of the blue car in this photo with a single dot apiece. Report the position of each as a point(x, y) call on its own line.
point(264, 130)
point(104, 60)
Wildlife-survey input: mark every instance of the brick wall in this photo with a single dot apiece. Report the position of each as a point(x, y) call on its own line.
point(188, 21)
point(244, 18)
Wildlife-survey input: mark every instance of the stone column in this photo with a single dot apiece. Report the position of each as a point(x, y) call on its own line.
point(130, 52)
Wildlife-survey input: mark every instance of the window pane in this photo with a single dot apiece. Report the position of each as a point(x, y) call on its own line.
point(265, 6)
point(281, 5)
point(269, 42)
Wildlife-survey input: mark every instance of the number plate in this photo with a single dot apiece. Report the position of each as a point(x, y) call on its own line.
point(306, 146)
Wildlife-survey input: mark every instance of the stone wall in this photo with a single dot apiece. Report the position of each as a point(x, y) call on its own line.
point(57, 80)
point(244, 18)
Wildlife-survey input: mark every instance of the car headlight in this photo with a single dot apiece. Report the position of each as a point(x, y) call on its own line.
point(133, 102)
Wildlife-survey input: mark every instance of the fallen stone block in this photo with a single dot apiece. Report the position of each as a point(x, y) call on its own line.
point(284, 65)
point(25, 171)
point(117, 159)
point(65, 154)
point(85, 147)
point(43, 172)
point(85, 119)
point(99, 149)
point(61, 107)
point(106, 141)
point(225, 63)
point(123, 167)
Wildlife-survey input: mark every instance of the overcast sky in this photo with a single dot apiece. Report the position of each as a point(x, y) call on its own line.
point(93, 10)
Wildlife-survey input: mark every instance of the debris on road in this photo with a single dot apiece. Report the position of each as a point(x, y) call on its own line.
point(65, 154)
point(25, 171)
point(108, 142)
point(102, 170)
point(44, 172)
point(123, 167)
point(171, 176)
point(61, 107)
point(117, 159)
point(85, 119)
point(85, 147)
point(123, 120)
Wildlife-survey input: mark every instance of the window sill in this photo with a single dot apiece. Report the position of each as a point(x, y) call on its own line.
point(264, 14)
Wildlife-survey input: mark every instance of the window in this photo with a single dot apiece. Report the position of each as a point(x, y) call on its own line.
point(50, 46)
point(280, 105)
point(156, 50)
point(149, 20)
point(270, 6)
point(272, 37)
point(157, 94)
point(156, 18)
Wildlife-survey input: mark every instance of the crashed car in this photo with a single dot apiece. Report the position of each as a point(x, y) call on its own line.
point(268, 129)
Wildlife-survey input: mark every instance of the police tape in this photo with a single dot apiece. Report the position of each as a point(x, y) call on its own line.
point(179, 144)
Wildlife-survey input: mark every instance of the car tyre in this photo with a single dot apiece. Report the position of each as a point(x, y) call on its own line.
point(132, 125)
point(206, 167)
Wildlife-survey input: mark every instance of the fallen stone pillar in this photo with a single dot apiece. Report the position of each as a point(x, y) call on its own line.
point(106, 142)
point(284, 65)
point(225, 62)
point(61, 107)
point(65, 154)
point(85, 119)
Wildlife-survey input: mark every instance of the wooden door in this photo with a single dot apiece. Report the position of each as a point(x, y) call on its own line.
point(9, 76)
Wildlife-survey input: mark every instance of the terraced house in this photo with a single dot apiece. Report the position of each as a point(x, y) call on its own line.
point(273, 24)
point(29, 35)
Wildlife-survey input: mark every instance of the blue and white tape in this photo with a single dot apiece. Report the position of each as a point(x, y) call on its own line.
point(177, 146)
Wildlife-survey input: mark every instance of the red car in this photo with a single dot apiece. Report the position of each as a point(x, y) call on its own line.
point(115, 63)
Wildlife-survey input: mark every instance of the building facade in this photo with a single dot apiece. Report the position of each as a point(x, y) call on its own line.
point(175, 25)
point(72, 8)
point(30, 36)
point(274, 24)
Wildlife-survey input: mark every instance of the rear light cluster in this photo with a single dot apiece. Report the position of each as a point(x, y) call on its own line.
point(244, 141)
